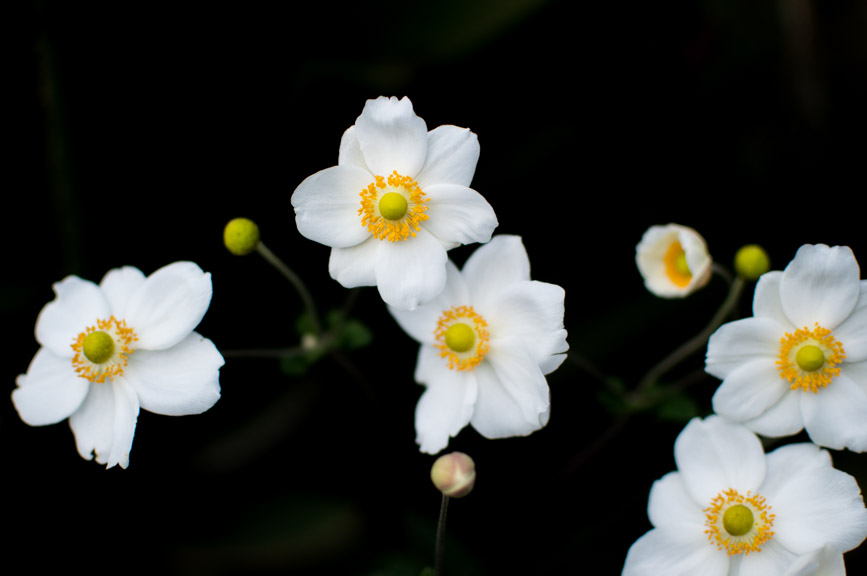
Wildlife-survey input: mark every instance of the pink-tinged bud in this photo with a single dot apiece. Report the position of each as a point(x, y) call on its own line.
point(454, 474)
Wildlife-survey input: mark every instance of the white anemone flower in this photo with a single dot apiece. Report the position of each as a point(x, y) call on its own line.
point(109, 349)
point(673, 260)
point(487, 343)
point(397, 200)
point(732, 510)
point(801, 360)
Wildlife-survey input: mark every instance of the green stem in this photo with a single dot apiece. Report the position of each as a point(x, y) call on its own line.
point(693, 344)
point(295, 280)
point(441, 533)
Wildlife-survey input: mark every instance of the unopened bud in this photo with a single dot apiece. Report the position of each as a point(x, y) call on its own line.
point(752, 261)
point(241, 236)
point(454, 474)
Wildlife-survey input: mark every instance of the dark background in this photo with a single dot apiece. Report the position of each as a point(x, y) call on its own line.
point(138, 130)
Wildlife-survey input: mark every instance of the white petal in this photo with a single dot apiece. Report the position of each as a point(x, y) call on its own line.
point(183, 379)
point(787, 462)
point(671, 506)
point(326, 206)
point(412, 272)
point(169, 305)
point(421, 323)
point(855, 371)
point(532, 313)
point(749, 390)
point(350, 151)
point(836, 416)
point(766, 298)
point(513, 393)
point(665, 551)
point(444, 408)
point(852, 333)
point(714, 454)
point(104, 425)
point(495, 265)
point(355, 266)
point(819, 505)
point(736, 343)
point(826, 561)
point(458, 215)
point(118, 286)
point(452, 154)
point(650, 259)
point(78, 304)
point(821, 285)
point(392, 137)
point(50, 391)
point(782, 419)
point(773, 559)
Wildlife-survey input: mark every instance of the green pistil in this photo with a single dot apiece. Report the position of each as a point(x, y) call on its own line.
point(460, 337)
point(681, 266)
point(738, 520)
point(98, 347)
point(392, 206)
point(810, 358)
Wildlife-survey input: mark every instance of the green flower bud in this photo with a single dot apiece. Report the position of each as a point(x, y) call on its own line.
point(454, 474)
point(241, 236)
point(752, 261)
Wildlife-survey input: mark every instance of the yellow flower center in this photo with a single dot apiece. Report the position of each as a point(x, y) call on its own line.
point(676, 267)
point(809, 359)
point(392, 208)
point(98, 347)
point(101, 351)
point(462, 337)
point(737, 522)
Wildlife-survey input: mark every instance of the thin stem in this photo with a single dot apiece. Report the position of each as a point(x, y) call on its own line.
point(441, 533)
point(694, 343)
point(295, 280)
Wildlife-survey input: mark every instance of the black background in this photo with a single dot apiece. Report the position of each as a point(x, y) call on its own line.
point(138, 130)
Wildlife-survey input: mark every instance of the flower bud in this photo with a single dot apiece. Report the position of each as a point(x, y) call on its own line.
point(751, 261)
point(454, 474)
point(241, 236)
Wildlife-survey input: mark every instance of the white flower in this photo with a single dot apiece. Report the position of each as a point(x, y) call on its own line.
point(673, 260)
point(487, 343)
point(731, 510)
point(398, 198)
point(799, 362)
point(109, 349)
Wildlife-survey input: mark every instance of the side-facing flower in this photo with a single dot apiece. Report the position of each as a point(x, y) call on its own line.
point(801, 360)
point(397, 200)
point(673, 260)
point(109, 349)
point(732, 510)
point(487, 343)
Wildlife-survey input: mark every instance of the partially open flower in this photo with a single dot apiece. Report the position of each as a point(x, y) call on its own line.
point(454, 474)
point(673, 260)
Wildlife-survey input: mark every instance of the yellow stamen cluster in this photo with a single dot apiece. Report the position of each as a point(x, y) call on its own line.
point(453, 331)
point(95, 357)
point(386, 217)
point(737, 522)
point(800, 363)
point(676, 267)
